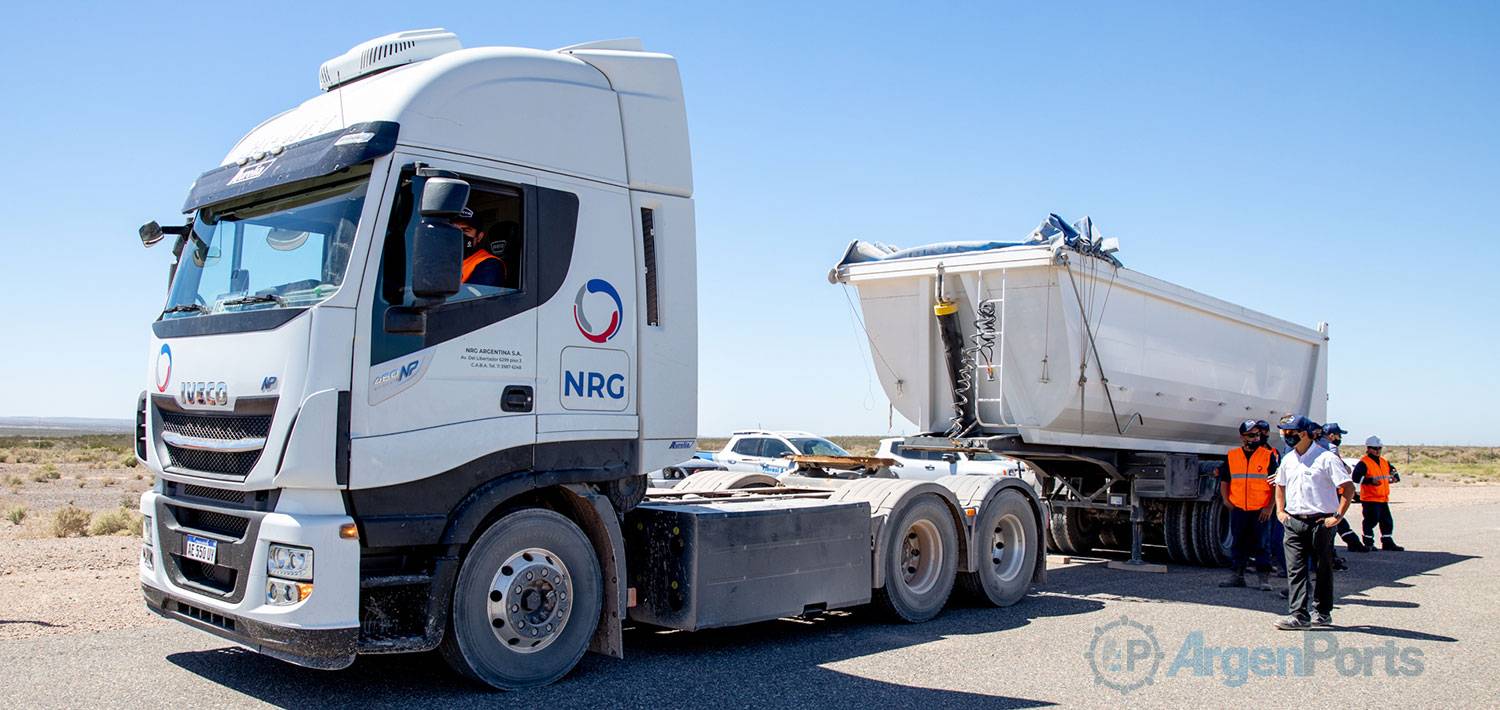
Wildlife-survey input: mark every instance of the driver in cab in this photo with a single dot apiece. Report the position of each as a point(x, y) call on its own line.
point(480, 268)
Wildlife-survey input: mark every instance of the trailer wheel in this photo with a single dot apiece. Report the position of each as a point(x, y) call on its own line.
point(526, 602)
point(1069, 532)
point(1175, 529)
point(921, 559)
point(1006, 537)
point(713, 481)
point(1211, 533)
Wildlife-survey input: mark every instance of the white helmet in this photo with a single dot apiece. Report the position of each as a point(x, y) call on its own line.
point(1373, 442)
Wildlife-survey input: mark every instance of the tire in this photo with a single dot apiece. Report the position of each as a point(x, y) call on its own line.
point(1052, 545)
point(917, 585)
point(543, 545)
point(1115, 536)
point(1210, 533)
point(1007, 539)
point(1176, 530)
point(1069, 532)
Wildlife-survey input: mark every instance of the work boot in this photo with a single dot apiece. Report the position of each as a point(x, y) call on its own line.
point(1236, 579)
point(1352, 541)
point(1386, 543)
point(1339, 564)
point(1369, 542)
point(1265, 581)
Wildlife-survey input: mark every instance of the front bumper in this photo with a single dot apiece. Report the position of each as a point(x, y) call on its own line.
point(326, 649)
point(228, 599)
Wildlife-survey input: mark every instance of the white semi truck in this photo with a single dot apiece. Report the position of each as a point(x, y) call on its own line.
point(360, 448)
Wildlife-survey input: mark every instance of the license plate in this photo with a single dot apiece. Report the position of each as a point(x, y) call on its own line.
point(200, 548)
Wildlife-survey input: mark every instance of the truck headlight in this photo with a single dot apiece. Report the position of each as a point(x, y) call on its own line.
point(282, 593)
point(288, 562)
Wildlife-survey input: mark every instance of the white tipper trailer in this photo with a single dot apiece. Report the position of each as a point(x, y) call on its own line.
point(359, 446)
point(1124, 390)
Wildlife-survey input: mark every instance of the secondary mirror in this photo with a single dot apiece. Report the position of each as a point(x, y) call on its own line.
point(285, 239)
point(444, 197)
point(151, 233)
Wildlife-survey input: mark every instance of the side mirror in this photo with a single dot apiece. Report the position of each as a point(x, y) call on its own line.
point(444, 197)
point(151, 233)
point(437, 260)
point(950, 458)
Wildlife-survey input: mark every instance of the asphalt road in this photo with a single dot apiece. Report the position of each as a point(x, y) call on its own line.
point(1433, 611)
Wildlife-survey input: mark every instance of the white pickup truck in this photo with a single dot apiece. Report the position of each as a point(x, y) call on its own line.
point(931, 465)
point(761, 451)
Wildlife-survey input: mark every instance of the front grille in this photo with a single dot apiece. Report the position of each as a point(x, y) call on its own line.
point(218, 427)
point(211, 521)
point(220, 494)
point(205, 616)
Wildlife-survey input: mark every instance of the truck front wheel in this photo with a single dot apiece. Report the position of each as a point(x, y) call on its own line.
point(526, 602)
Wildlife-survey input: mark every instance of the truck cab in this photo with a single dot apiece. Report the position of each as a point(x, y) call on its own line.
point(335, 406)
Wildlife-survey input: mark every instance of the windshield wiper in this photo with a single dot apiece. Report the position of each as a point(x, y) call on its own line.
point(256, 298)
point(185, 307)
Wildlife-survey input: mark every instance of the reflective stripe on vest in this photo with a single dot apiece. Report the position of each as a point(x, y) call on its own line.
point(1376, 485)
point(474, 260)
point(1249, 489)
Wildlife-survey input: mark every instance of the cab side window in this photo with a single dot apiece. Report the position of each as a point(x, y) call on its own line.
point(775, 448)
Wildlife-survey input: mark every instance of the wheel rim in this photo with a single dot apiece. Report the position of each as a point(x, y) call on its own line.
point(530, 600)
point(921, 556)
point(1008, 547)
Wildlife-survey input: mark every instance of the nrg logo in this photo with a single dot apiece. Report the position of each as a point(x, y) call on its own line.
point(593, 384)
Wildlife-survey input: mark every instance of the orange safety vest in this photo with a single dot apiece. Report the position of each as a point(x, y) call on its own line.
point(1375, 487)
point(474, 260)
point(1249, 489)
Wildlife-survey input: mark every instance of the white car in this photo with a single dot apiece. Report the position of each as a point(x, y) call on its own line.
point(766, 451)
point(928, 465)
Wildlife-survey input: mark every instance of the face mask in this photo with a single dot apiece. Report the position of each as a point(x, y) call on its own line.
point(1292, 438)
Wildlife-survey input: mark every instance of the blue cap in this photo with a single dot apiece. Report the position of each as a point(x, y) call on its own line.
point(1334, 428)
point(1247, 426)
point(1296, 422)
point(1263, 425)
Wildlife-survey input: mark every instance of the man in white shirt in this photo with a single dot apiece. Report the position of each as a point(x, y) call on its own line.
point(1313, 491)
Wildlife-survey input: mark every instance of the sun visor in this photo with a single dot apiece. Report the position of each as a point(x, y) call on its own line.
point(314, 157)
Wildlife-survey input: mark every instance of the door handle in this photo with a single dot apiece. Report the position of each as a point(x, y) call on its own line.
point(516, 398)
point(929, 467)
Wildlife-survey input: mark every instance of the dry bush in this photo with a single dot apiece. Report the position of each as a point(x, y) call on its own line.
point(129, 461)
point(71, 521)
point(16, 515)
point(116, 522)
point(13, 480)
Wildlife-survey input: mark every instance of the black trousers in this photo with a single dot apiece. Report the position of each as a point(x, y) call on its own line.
point(1377, 513)
point(1248, 534)
point(1309, 561)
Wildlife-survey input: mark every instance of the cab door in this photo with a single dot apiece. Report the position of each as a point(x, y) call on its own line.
point(463, 391)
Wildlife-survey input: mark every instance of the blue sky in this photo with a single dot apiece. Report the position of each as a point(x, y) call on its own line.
point(1316, 161)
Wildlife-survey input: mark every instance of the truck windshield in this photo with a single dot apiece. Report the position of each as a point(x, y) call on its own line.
point(288, 252)
point(817, 447)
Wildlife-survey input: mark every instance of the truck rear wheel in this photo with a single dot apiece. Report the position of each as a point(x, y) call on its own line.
point(1069, 531)
point(920, 560)
point(526, 602)
point(1211, 533)
point(1176, 528)
point(1006, 535)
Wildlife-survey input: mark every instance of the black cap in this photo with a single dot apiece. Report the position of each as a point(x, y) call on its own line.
point(1248, 426)
point(1334, 428)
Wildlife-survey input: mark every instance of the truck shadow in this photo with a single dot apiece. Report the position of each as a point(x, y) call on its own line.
point(1199, 585)
point(775, 663)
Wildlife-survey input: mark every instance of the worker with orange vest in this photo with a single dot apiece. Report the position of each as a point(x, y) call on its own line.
point(1375, 476)
point(481, 268)
point(1245, 487)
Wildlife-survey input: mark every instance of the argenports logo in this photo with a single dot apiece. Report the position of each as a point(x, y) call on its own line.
point(585, 326)
point(163, 368)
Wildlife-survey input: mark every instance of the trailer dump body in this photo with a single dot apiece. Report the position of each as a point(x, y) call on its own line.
point(1063, 345)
